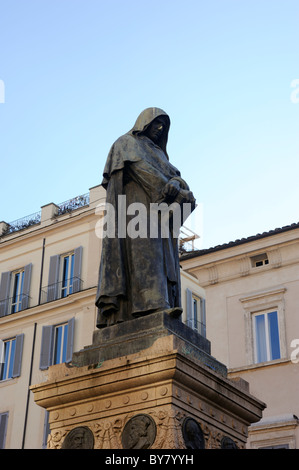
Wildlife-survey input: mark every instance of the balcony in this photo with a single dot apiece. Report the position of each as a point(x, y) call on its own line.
point(197, 326)
point(14, 304)
point(21, 224)
point(72, 204)
point(39, 217)
point(61, 290)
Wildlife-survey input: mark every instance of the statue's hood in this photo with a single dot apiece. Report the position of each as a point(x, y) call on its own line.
point(145, 118)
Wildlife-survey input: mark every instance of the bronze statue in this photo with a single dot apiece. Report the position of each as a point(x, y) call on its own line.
point(140, 273)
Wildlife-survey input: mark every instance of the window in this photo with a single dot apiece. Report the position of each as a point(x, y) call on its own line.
point(64, 275)
point(266, 337)
point(57, 344)
point(196, 315)
point(3, 428)
point(265, 330)
point(67, 275)
point(60, 343)
point(9, 355)
point(12, 357)
point(17, 291)
point(259, 260)
point(14, 290)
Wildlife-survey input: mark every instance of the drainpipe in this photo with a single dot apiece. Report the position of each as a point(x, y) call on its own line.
point(28, 392)
point(41, 272)
point(33, 345)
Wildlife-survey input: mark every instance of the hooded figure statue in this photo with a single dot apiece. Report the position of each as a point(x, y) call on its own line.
point(139, 271)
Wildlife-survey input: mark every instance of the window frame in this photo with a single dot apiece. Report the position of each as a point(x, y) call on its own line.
point(15, 362)
point(3, 428)
point(7, 288)
point(16, 293)
point(268, 346)
point(6, 368)
point(66, 275)
point(198, 324)
point(259, 303)
point(259, 260)
point(55, 289)
point(47, 351)
point(60, 337)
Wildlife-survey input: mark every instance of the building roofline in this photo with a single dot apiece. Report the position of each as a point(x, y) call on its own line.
point(238, 242)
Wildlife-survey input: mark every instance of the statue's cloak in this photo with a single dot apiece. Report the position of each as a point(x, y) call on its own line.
point(137, 275)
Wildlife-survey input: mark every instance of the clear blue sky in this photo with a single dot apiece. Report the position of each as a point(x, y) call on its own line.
point(78, 72)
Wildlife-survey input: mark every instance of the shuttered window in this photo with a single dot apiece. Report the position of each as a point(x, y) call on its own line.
point(196, 312)
point(14, 290)
point(53, 278)
point(57, 344)
point(64, 274)
point(3, 429)
point(13, 351)
point(4, 293)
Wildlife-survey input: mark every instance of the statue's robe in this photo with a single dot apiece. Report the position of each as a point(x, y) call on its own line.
point(137, 275)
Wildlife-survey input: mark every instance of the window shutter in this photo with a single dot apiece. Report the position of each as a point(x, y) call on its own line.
point(46, 347)
point(203, 317)
point(77, 269)
point(2, 349)
point(53, 278)
point(70, 340)
point(16, 371)
point(189, 304)
point(4, 293)
point(26, 286)
point(3, 428)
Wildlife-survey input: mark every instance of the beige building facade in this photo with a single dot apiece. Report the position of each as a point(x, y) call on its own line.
point(48, 280)
point(252, 294)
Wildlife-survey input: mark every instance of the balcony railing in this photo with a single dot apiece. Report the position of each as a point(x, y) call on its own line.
point(34, 219)
point(49, 293)
point(61, 289)
point(74, 203)
point(14, 304)
point(23, 223)
point(197, 326)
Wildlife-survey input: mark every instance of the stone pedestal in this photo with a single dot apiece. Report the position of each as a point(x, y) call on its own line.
point(159, 372)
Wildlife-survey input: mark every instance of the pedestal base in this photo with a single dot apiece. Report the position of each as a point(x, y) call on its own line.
point(158, 370)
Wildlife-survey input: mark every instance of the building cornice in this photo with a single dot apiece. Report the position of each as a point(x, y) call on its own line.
point(39, 230)
point(237, 243)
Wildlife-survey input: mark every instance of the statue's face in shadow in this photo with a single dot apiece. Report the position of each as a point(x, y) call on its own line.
point(138, 429)
point(134, 434)
point(156, 129)
point(78, 441)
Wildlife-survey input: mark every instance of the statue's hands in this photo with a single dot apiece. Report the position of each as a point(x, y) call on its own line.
point(171, 189)
point(188, 195)
point(174, 191)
